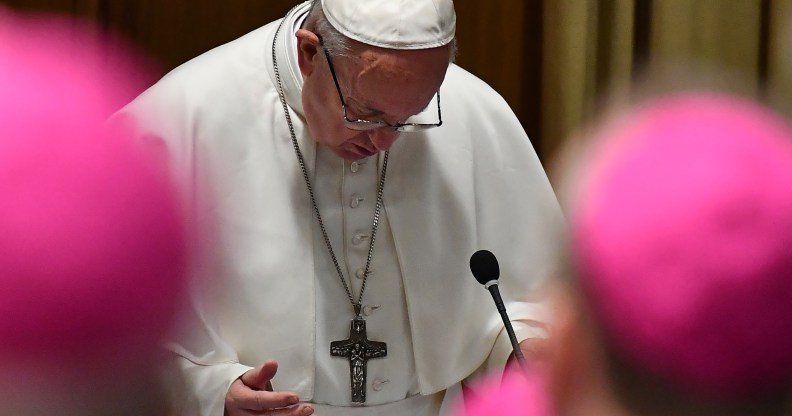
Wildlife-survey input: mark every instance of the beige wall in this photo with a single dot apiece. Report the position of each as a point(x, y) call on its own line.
point(551, 59)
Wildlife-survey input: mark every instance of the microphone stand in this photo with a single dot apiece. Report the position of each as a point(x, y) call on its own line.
point(492, 287)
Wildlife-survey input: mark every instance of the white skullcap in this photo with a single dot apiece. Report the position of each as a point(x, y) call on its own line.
point(394, 24)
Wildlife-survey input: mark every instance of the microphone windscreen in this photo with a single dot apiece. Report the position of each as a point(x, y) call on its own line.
point(484, 266)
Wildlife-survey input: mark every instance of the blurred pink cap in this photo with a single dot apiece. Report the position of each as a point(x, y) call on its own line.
point(682, 238)
point(92, 241)
point(517, 393)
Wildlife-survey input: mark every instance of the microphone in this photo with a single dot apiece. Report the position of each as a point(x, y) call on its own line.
point(484, 267)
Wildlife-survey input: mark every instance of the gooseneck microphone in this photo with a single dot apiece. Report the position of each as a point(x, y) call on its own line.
point(485, 269)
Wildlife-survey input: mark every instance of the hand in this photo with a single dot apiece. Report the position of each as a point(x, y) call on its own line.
point(251, 394)
point(534, 349)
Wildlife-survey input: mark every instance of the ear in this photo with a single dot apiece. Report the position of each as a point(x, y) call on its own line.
point(308, 53)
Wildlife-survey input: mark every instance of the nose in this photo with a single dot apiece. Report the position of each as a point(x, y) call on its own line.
point(383, 138)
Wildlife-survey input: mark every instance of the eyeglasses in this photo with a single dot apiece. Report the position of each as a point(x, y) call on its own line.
point(363, 125)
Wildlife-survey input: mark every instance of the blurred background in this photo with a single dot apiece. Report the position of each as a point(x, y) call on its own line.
point(553, 60)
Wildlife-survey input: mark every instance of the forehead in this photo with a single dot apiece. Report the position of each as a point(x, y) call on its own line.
point(400, 83)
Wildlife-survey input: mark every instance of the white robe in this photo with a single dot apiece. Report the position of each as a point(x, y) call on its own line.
point(473, 183)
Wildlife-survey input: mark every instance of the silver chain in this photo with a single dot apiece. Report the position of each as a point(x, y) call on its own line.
point(380, 186)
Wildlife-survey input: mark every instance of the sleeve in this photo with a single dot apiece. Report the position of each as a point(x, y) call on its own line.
point(519, 219)
point(208, 363)
point(496, 361)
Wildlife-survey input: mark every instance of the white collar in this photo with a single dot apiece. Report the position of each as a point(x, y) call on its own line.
point(286, 55)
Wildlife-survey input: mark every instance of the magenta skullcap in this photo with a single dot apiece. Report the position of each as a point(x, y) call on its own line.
point(682, 238)
point(92, 240)
point(516, 393)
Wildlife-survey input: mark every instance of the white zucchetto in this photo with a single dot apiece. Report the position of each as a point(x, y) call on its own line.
point(394, 24)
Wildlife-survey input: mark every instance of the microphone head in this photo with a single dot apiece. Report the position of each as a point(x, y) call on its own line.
point(484, 266)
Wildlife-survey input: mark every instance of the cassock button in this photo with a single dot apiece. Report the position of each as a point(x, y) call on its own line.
point(361, 273)
point(369, 309)
point(358, 239)
point(379, 384)
point(354, 167)
point(355, 201)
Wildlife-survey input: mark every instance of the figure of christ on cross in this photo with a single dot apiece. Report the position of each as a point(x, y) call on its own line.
point(358, 349)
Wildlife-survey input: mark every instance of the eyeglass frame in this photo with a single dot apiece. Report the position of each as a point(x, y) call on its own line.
point(365, 125)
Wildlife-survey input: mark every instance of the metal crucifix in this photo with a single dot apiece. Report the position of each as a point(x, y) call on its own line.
point(358, 349)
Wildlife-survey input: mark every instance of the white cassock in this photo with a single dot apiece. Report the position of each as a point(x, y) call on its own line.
point(473, 183)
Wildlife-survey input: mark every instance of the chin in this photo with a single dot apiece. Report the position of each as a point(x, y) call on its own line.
point(351, 155)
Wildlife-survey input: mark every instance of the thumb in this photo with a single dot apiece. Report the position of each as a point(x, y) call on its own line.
point(259, 377)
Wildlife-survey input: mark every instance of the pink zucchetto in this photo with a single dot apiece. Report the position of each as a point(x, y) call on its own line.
point(516, 393)
point(92, 239)
point(682, 241)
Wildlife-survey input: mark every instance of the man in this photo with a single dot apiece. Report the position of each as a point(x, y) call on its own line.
point(93, 248)
point(681, 241)
point(348, 199)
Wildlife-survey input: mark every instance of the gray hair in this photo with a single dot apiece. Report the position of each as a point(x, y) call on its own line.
point(336, 43)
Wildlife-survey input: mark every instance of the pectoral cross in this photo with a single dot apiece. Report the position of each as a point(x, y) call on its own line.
point(358, 349)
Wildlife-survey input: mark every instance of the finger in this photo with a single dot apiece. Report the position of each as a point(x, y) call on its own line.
point(243, 397)
point(259, 377)
point(303, 409)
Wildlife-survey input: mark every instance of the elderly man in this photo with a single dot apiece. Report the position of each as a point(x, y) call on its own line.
point(348, 198)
